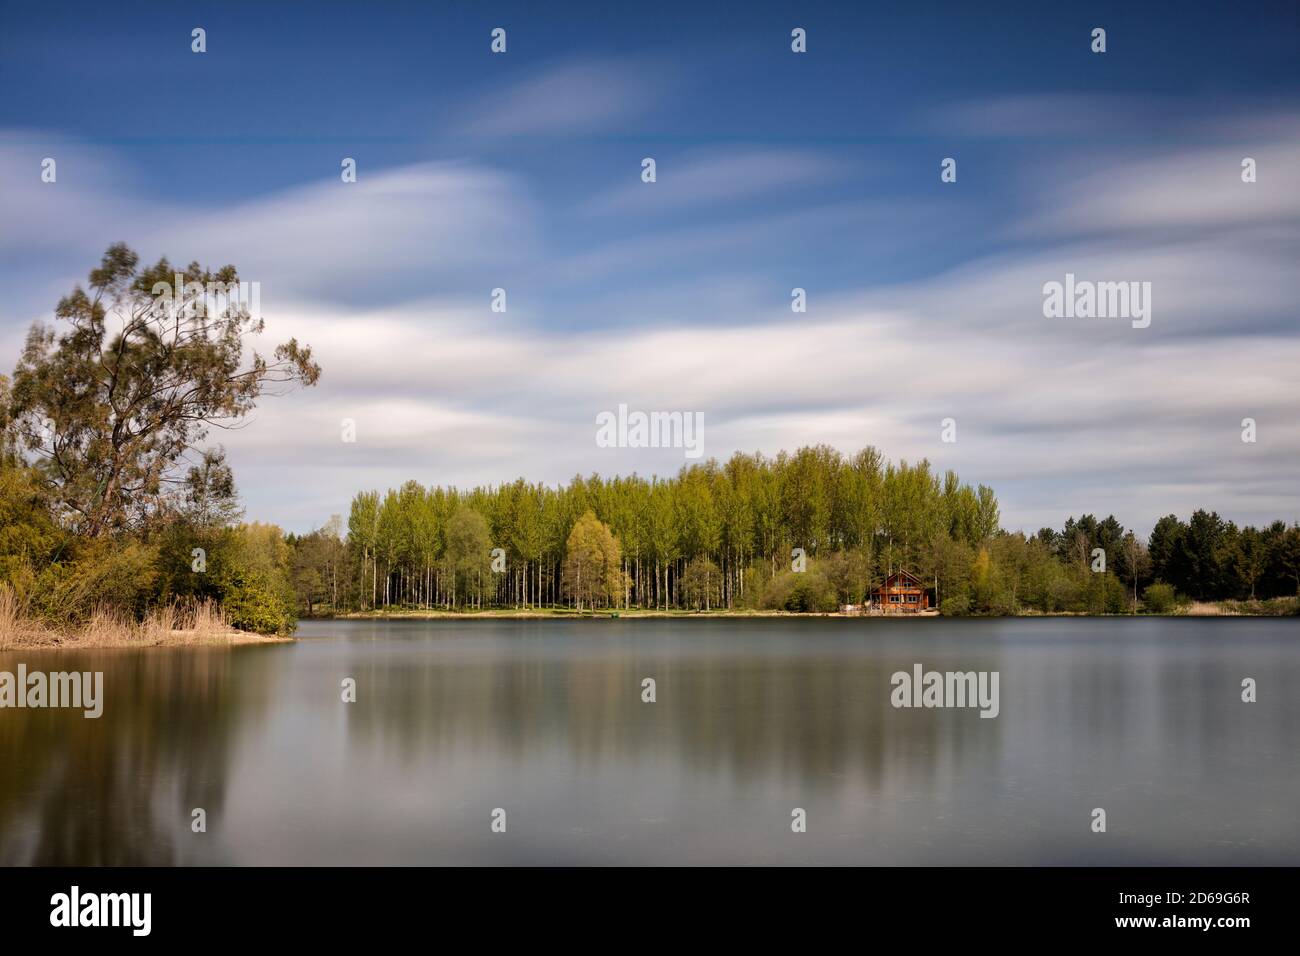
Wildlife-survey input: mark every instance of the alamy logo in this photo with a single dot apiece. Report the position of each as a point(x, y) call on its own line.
point(1098, 300)
point(651, 430)
point(199, 299)
point(103, 909)
point(83, 690)
point(923, 688)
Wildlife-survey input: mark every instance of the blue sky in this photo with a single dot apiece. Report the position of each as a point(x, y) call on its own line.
point(775, 170)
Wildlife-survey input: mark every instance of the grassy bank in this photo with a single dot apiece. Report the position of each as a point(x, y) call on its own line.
point(539, 614)
point(1276, 607)
point(1273, 607)
point(204, 625)
point(174, 625)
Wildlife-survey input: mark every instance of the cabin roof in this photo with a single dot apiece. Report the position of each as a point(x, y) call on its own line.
point(906, 577)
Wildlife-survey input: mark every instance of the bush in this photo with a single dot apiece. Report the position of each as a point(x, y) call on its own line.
point(100, 575)
point(29, 537)
point(1159, 598)
point(955, 605)
point(1116, 596)
point(800, 591)
point(253, 601)
point(250, 571)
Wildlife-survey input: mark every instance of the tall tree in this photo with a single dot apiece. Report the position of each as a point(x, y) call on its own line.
point(592, 563)
point(467, 555)
point(110, 408)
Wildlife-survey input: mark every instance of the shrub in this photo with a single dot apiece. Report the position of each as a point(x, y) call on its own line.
point(250, 572)
point(29, 537)
point(955, 605)
point(101, 574)
point(800, 591)
point(253, 601)
point(1159, 598)
point(1116, 598)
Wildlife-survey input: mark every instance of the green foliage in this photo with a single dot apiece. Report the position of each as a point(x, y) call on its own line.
point(248, 569)
point(1212, 559)
point(105, 496)
point(855, 517)
point(1159, 598)
point(849, 573)
point(319, 567)
point(701, 585)
point(251, 575)
point(467, 558)
point(592, 574)
point(808, 590)
point(108, 409)
point(90, 576)
point(253, 601)
point(955, 605)
point(29, 538)
point(856, 513)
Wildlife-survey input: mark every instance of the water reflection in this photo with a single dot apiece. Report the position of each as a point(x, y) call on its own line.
point(118, 790)
point(752, 719)
point(745, 711)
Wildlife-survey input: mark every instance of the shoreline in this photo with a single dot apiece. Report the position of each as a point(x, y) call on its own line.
point(1198, 609)
point(231, 637)
point(176, 638)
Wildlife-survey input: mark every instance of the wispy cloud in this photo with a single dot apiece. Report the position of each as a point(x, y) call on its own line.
point(565, 98)
point(717, 177)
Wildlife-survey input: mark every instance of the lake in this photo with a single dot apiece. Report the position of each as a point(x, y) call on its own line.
point(752, 718)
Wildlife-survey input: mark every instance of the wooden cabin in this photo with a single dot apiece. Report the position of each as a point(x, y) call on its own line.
point(902, 593)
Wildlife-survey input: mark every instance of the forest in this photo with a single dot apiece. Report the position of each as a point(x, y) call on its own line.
point(810, 530)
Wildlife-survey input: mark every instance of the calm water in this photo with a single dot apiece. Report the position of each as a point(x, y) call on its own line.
point(753, 718)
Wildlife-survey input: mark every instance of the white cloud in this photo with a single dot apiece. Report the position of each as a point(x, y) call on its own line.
point(716, 177)
point(1197, 188)
point(397, 232)
point(565, 98)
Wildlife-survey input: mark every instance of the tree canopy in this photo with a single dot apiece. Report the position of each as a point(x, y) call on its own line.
point(112, 408)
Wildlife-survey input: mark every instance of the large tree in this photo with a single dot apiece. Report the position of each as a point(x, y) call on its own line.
point(593, 563)
point(467, 556)
point(112, 409)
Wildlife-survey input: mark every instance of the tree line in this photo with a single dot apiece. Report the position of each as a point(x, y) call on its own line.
point(808, 530)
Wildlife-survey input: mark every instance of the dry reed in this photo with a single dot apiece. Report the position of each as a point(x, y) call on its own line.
point(175, 624)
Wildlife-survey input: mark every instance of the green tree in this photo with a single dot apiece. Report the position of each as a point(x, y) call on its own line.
point(592, 563)
point(318, 562)
point(363, 531)
point(29, 537)
point(1249, 558)
point(701, 584)
point(467, 557)
point(109, 409)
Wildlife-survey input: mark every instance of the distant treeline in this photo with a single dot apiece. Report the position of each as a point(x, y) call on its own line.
point(812, 530)
point(716, 536)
